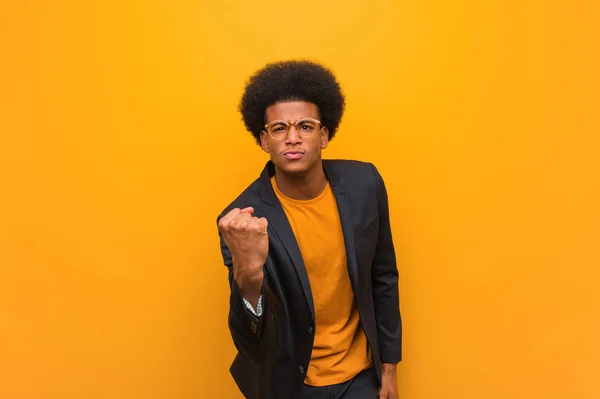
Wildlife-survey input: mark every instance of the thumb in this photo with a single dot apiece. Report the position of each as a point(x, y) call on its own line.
point(249, 210)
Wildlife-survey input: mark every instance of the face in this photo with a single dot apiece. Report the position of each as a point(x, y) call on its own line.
point(294, 154)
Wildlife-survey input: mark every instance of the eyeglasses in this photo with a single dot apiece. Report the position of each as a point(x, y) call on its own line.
point(279, 130)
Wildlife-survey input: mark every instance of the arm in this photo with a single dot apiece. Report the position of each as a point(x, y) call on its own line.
point(247, 238)
point(384, 276)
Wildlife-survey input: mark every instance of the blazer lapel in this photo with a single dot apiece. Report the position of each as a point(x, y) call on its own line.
point(280, 226)
point(343, 204)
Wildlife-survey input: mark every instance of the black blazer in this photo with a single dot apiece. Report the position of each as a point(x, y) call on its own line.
point(275, 349)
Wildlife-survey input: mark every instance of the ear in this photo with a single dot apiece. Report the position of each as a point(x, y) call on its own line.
point(263, 141)
point(324, 137)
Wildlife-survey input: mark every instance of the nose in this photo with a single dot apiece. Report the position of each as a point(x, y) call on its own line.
point(293, 136)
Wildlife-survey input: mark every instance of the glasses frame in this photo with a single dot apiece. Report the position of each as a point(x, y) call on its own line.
point(289, 127)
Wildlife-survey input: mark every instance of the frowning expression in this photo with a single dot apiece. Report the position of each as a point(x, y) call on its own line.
point(293, 136)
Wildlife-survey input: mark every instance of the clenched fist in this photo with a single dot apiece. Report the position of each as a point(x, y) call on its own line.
point(247, 239)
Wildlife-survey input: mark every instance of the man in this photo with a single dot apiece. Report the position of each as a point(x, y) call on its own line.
point(314, 309)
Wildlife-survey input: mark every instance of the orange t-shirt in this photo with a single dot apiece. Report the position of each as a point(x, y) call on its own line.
point(340, 349)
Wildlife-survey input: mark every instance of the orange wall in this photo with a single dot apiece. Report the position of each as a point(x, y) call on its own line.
point(120, 143)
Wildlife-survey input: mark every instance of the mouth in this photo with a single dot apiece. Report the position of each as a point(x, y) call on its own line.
point(293, 154)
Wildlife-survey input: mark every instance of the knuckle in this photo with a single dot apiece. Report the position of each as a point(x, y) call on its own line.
point(256, 228)
point(235, 227)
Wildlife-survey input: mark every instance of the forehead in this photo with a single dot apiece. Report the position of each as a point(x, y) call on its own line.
point(291, 111)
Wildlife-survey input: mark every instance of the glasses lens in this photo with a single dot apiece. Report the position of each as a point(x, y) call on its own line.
point(278, 129)
point(307, 127)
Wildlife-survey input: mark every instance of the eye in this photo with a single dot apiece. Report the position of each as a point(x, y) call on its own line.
point(306, 126)
point(277, 128)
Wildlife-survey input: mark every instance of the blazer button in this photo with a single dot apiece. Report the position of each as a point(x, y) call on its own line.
point(301, 369)
point(310, 330)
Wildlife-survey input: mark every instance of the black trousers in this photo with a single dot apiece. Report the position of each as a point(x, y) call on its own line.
point(363, 386)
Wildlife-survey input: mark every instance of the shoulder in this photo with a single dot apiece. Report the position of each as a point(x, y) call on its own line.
point(353, 171)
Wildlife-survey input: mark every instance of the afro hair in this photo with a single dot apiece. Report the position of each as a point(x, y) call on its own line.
point(292, 81)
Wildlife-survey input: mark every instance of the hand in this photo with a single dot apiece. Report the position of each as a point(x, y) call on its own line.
point(389, 386)
point(247, 239)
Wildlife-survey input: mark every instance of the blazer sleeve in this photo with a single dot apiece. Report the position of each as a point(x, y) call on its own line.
point(384, 275)
point(247, 329)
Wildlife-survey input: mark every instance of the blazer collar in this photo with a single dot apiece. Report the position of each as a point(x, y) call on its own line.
point(279, 226)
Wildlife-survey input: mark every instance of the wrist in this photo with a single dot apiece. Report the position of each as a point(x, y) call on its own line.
point(249, 283)
point(389, 368)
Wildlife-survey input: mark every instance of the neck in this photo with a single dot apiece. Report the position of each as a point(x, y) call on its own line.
point(302, 186)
